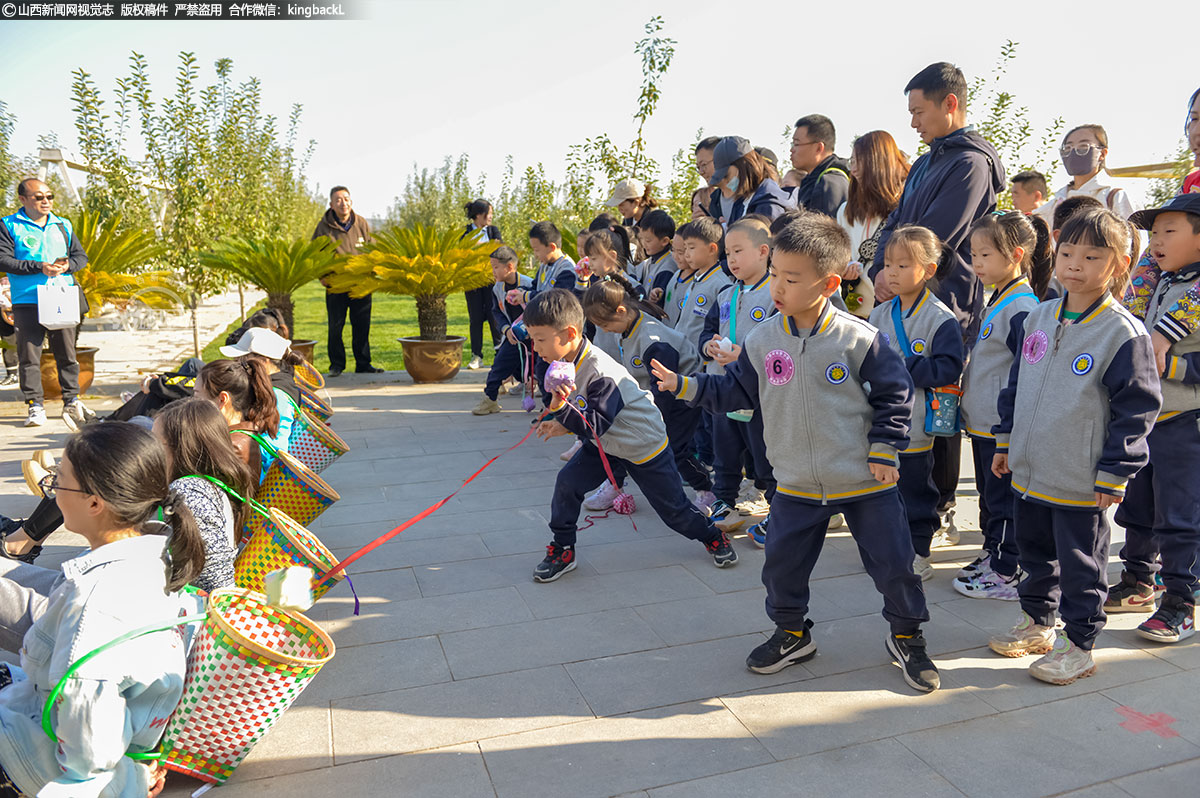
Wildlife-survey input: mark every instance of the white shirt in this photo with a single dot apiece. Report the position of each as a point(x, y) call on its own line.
point(859, 232)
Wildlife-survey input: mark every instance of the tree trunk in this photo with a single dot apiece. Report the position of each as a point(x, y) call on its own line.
point(242, 300)
point(195, 303)
point(284, 304)
point(431, 317)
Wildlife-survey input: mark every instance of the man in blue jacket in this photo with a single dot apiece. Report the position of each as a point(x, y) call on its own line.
point(948, 189)
point(35, 246)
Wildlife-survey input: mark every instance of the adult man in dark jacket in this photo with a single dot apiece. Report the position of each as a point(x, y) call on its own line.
point(827, 183)
point(350, 231)
point(948, 189)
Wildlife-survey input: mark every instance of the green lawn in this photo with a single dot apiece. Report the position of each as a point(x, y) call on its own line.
point(391, 317)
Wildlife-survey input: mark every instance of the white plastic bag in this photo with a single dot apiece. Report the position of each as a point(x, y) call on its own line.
point(58, 303)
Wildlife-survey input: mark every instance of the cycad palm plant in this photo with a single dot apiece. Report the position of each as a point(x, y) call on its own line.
point(277, 266)
point(422, 262)
point(117, 260)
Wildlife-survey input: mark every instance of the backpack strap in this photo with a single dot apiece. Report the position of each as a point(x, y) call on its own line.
point(898, 323)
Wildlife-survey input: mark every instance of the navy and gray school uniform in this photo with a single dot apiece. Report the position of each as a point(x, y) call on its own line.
point(738, 310)
point(510, 359)
point(1074, 418)
point(656, 272)
point(560, 274)
point(999, 342)
point(935, 358)
point(608, 405)
point(1160, 513)
point(824, 425)
point(648, 339)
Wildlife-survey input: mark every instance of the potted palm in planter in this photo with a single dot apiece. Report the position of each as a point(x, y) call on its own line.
point(277, 266)
point(116, 273)
point(427, 264)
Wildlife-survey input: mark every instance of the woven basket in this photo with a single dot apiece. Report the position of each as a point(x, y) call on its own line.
point(249, 662)
point(308, 376)
point(292, 487)
point(281, 544)
point(313, 443)
point(314, 404)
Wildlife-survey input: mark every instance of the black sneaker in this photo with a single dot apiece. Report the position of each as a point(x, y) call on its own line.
point(1130, 595)
point(918, 670)
point(721, 550)
point(783, 649)
point(7, 527)
point(558, 561)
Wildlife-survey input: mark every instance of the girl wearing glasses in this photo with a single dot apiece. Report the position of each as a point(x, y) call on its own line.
point(1083, 154)
point(111, 487)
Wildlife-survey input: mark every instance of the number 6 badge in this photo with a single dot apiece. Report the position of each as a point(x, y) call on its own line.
point(780, 367)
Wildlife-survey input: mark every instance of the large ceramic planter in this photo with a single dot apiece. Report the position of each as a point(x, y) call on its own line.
point(432, 361)
point(305, 349)
point(84, 355)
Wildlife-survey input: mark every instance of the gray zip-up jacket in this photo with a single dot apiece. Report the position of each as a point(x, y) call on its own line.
point(1079, 404)
point(754, 306)
point(1181, 381)
point(991, 359)
point(650, 339)
point(504, 314)
point(701, 294)
point(935, 355)
point(655, 272)
point(823, 422)
point(617, 411)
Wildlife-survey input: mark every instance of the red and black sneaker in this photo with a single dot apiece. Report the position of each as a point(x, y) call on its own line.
point(558, 561)
point(721, 550)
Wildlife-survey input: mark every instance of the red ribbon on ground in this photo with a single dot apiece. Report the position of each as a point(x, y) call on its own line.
point(431, 509)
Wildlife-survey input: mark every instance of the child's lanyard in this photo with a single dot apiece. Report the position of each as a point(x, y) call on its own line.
point(1000, 306)
point(733, 303)
point(898, 323)
point(671, 291)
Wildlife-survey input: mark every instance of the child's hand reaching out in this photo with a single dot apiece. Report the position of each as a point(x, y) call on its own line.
point(667, 380)
point(884, 473)
point(551, 429)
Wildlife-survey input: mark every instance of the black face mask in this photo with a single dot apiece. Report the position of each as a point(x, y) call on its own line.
point(1082, 164)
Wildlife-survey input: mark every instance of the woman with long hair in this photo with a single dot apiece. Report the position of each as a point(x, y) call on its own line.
point(878, 170)
point(241, 390)
point(111, 487)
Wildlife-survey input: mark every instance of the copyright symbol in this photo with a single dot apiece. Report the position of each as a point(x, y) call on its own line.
point(8, 10)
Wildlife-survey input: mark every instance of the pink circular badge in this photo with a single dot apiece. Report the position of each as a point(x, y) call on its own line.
point(780, 367)
point(1036, 346)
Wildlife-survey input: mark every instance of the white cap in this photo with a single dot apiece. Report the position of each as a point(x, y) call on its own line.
point(260, 341)
point(628, 189)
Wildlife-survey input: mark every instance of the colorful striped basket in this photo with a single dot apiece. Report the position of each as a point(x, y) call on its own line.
point(281, 544)
point(314, 404)
point(292, 487)
point(306, 374)
point(313, 443)
point(249, 662)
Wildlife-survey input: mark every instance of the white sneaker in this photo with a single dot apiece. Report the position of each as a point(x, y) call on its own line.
point(704, 499)
point(569, 453)
point(922, 568)
point(752, 501)
point(37, 416)
point(601, 498)
point(1065, 663)
point(75, 415)
point(948, 534)
point(989, 585)
point(475, 362)
point(1026, 637)
point(977, 566)
point(837, 521)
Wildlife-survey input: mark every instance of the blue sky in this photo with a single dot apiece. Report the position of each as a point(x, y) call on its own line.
point(422, 79)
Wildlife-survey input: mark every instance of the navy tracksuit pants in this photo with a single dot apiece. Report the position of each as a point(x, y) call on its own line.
point(702, 441)
point(1064, 551)
point(681, 421)
point(996, 500)
point(1161, 510)
point(920, 497)
point(508, 363)
point(733, 443)
point(877, 523)
point(658, 478)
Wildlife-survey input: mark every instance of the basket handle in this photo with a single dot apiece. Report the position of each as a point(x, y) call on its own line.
point(47, 726)
point(254, 504)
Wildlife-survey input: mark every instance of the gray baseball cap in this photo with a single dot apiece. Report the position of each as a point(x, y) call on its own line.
point(728, 150)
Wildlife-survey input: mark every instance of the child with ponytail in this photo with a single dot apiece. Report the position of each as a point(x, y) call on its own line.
point(1011, 252)
point(111, 486)
point(241, 390)
point(643, 335)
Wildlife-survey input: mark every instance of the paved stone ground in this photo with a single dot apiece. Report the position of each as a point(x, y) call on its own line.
point(464, 678)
